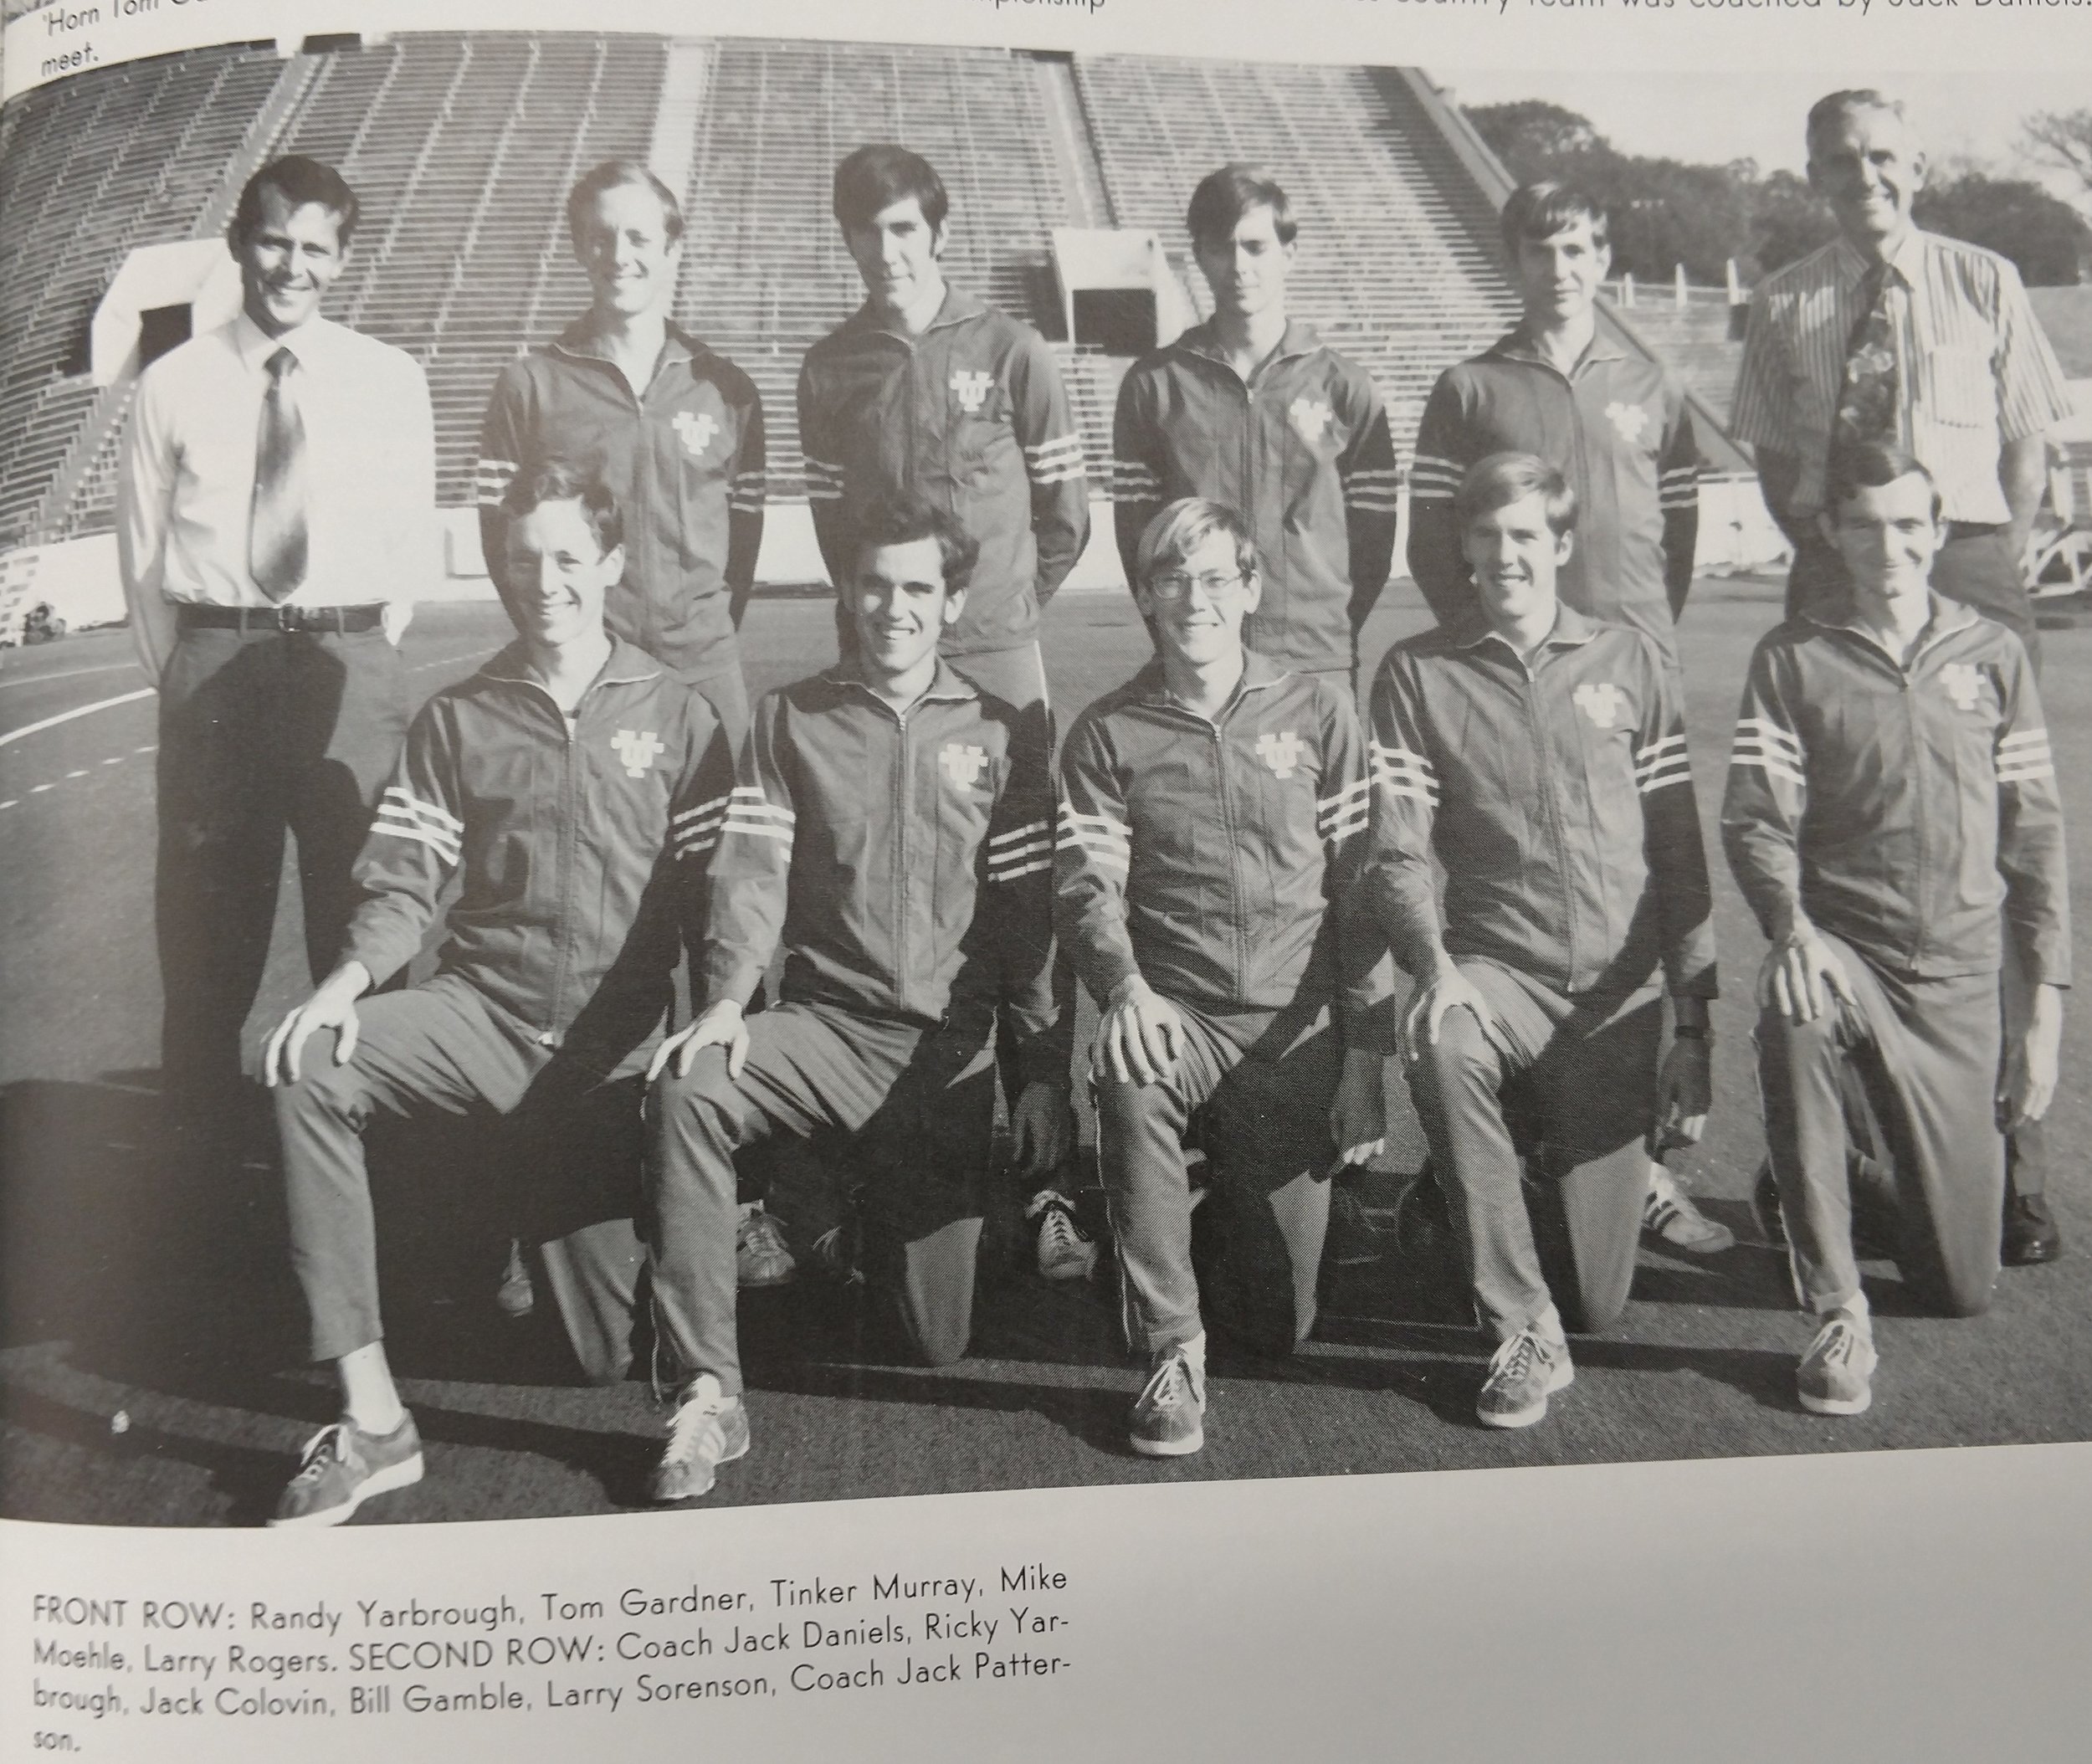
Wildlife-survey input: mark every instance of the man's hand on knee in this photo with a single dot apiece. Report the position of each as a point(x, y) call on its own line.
point(1803, 977)
point(722, 1026)
point(1140, 1036)
point(332, 1006)
point(1446, 989)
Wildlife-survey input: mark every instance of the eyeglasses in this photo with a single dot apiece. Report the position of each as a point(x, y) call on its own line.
point(1176, 585)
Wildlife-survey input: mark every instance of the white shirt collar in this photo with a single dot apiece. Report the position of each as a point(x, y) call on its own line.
point(254, 346)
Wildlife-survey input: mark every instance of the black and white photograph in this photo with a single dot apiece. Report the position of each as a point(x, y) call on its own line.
point(744, 770)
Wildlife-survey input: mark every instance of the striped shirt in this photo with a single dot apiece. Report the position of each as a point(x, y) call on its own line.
point(1975, 369)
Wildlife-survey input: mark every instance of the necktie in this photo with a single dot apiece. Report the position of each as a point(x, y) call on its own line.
point(1868, 401)
point(276, 532)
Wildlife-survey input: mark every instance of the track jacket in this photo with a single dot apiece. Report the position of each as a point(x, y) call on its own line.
point(564, 841)
point(1559, 802)
point(1302, 451)
point(686, 463)
point(1219, 860)
point(905, 862)
point(971, 416)
point(1617, 428)
point(1899, 807)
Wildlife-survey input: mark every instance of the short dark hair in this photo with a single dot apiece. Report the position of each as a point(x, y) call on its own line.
point(877, 177)
point(1869, 466)
point(1502, 479)
point(617, 174)
point(1179, 530)
point(298, 181)
point(901, 518)
point(1540, 210)
point(1835, 107)
point(1223, 197)
point(565, 480)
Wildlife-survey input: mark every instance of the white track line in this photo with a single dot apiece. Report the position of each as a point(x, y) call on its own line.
point(66, 716)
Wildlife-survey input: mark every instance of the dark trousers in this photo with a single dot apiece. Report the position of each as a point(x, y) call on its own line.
point(918, 1109)
point(1256, 1087)
point(1571, 1081)
point(261, 733)
point(1925, 1053)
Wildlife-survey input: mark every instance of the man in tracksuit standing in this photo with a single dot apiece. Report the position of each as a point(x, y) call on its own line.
point(1212, 822)
point(568, 788)
point(1540, 757)
point(1254, 411)
point(892, 829)
point(1890, 789)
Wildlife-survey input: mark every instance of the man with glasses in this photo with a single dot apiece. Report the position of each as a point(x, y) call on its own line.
point(1213, 820)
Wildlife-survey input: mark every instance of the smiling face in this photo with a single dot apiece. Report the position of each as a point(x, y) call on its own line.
point(896, 252)
point(1888, 536)
point(1558, 277)
point(288, 260)
point(1196, 605)
point(1247, 270)
point(1866, 164)
point(556, 574)
point(901, 607)
point(1516, 556)
point(621, 242)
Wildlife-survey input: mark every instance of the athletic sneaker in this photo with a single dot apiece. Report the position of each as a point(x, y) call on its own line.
point(710, 1428)
point(1832, 1378)
point(1668, 1211)
point(342, 1467)
point(1524, 1372)
point(1066, 1252)
point(1169, 1414)
point(515, 1296)
point(760, 1256)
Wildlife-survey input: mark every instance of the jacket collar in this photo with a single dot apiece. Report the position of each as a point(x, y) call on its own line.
point(628, 665)
point(1201, 340)
point(578, 341)
point(1513, 345)
point(1571, 631)
point(1947, 617)
point(947, 685)
point(958, 307)
point(1258, 672)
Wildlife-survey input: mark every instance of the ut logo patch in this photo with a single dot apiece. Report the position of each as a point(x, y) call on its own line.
point(970, 388)
point(1629, 419)
point(696, 431)
point(638, 749)
point(1281, 752)
point(1602, 701)
point(963, 763)
point(1310, 418)
point(1963, 682)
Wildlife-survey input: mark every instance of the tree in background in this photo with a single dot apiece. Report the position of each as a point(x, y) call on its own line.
point(2062, 139)
point(2046, 238)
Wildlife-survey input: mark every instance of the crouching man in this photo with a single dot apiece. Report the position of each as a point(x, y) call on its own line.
point(559, 785)
point(1892, 787)
point(892, 829)
point(1212, 826)
point(1539, 756)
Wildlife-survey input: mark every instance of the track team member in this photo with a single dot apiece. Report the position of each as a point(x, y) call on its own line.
point(1212, 822)
point(558, 787)
point(1618, 427)
point(892, 830)
point(1539, 757)
point(1892, 336)
point(1891, 787)
point(275, 519)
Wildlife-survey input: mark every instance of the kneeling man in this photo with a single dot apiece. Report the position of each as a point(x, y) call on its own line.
point(1539, 756)
point(1891, 787)
point(892, 829)
point(1213, 820)
point(558, 786)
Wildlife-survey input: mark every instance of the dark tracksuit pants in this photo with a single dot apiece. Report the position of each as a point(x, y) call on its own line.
point(1572, 1078)
point(1925, 1053)
point(920, 1107)
point(260, 732)
point(571, 1143)
point(1255, 1086)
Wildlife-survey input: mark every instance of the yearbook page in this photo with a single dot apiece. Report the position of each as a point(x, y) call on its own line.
point(1033, 878)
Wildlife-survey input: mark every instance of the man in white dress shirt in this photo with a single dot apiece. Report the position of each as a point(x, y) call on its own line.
point(275, 518)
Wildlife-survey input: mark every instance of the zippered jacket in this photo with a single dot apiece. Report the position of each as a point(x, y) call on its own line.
point(1219, 860)
point(904, 862)
point(1302, 451)
point(1558, 801)
point(1898, 807)
point(971, 417)
point(1617, 428)
point(686, 461)
point(565, 844)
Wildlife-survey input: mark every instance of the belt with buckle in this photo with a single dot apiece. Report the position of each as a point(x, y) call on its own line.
point(345, 621)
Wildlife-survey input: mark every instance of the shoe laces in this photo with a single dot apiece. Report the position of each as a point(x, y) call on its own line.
point(692, 1414)
point(832, 1252)
point(1514, 1360)
point(327, 1448)
point(1836, 1343)
point(1058, 1231)
point(1173, 1383)
point(761, 1233)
